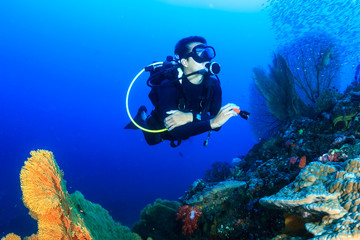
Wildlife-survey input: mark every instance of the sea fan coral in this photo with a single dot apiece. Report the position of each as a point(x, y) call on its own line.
point(32, 237)
point(60, 215)
point(45, 194)
point(190, 216)
point(11, 236)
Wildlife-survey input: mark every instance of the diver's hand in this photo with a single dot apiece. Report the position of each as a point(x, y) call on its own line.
point(224, 114)
point(177, 118)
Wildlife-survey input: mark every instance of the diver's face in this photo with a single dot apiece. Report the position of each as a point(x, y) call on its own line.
point(189, 64)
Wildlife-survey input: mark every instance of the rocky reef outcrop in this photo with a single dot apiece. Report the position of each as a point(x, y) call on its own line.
point(302, 183)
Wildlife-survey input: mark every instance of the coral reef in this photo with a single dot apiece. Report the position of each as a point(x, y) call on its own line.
point(302, 82)
point(326, 195)
point(275, 99)
point(59, 214)
point(227, 209)
point(326, 100)
point(190, 216)
point(278, 88)
point(210, 195)
point(99, 222)
point(345, 113)
point(309, 168)
point(220, 171)
point(158, 221)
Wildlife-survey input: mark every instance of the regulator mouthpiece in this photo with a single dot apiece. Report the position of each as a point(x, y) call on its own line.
point(213, 68)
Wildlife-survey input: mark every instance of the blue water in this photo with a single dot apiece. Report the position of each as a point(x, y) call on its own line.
point(65, 67)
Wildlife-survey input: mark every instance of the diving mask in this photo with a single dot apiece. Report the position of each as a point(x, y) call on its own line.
point(202, 53)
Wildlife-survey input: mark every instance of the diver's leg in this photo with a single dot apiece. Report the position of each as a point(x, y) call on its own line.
point(139, 119)
point(152, 138)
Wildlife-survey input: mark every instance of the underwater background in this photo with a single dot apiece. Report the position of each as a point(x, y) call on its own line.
point(65, 68)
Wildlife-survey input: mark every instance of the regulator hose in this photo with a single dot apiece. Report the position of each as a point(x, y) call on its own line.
point(127, 103)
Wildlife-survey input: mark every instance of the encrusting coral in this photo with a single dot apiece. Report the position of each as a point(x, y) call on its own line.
point(326, 197)
point(59, 214)
point(209, 196)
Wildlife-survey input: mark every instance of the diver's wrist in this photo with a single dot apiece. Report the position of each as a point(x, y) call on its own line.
point(213, 124)
point(193, 116)
point(187, 117)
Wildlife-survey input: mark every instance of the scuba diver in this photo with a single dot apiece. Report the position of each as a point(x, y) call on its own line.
point(186, 94)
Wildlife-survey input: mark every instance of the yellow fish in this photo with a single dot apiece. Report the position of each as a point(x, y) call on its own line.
point(325, 59)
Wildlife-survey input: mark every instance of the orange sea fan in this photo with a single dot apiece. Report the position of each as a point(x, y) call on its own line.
point(45, 194)
point(11, 236)
point(32, 237)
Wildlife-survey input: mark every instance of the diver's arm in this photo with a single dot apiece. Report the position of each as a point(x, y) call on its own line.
point(177, 118)
point(198, 126)
point(191, 129)
point(194, 128)
point(224, 115)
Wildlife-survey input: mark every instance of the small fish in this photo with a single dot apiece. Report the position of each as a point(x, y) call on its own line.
point(293, 160)
point(325, 59)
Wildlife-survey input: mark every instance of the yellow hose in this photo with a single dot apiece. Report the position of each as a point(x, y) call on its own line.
point(127, 104)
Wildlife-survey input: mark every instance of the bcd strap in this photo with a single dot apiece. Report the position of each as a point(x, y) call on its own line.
point(181, 104)
point(204, 99)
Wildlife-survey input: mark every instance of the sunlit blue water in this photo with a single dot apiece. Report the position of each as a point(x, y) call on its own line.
point(65, 67)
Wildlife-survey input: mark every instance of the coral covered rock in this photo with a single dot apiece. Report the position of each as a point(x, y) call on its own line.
point(210, 196)
point(326, 196)
point(99, 222)
point(158, 221)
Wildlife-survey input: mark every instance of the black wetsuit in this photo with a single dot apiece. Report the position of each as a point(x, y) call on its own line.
point(203, 100)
